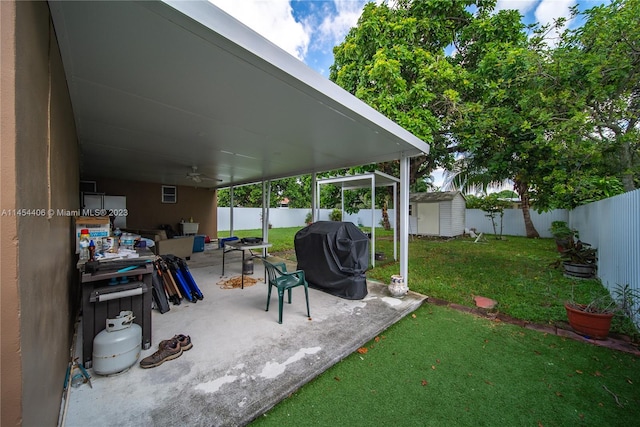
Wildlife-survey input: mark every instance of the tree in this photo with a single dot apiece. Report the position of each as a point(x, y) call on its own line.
point(561, 123)
point(494, 207)
point(249, 196)
point(503, 126)
point(603, 57)
point(297, 190)
point(395, 60)
point(473, 202)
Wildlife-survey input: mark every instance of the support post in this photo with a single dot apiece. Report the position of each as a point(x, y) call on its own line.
point(342, 202)
point(231, 211)
point(315, 198)
point(266, 202)
point(373, 220)
point(395, 226)
point(404, 218)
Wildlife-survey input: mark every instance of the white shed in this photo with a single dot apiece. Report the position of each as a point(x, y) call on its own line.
point(437, 214)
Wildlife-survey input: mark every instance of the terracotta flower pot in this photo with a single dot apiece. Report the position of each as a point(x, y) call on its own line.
point(562, 244)
point(590, 325)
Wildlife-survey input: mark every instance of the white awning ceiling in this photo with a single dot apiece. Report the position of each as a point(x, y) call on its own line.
point(160, 87)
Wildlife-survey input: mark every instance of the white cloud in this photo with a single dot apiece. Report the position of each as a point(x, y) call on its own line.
point(549, 10)
point(545, 11)
point(273, 19)
point(523, 6)
point(335, 27)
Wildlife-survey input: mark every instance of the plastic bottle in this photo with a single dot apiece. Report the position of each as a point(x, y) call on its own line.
point(84, 244)
point(92, 251)
point(116, 235)
point(127, 241)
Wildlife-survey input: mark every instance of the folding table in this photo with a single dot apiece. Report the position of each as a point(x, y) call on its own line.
point(239, 245)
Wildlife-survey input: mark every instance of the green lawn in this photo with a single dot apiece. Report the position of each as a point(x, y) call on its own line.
point(442, 367)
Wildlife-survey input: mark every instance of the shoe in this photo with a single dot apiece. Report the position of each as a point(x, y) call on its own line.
point(183, 340)
point(167, 350)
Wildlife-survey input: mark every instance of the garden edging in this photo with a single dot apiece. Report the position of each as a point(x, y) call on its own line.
point(614, 342)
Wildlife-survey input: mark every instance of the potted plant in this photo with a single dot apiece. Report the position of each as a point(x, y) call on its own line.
point(593, 319)
point(335, 215)
point(309, 218)
point(579, 260)
point(562, 234)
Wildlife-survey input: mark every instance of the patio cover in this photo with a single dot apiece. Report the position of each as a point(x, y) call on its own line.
point(177, 84)
point(159, 87)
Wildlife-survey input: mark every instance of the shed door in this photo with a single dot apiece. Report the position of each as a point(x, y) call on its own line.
point(429, 218)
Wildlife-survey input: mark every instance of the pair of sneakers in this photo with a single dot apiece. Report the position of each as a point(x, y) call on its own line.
point(167, 350)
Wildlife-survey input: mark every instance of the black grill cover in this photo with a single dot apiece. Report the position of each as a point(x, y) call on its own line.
point(334, 257)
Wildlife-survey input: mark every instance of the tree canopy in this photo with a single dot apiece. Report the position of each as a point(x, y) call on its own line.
point(600, 73)
point(559, 120)
point(297, 193)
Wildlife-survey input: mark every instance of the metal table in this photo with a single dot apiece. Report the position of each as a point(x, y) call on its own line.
point(240, 246)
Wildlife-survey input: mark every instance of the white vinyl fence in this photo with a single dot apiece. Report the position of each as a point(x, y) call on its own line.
point(251, 218)
point(513, 221)
point(613, 227)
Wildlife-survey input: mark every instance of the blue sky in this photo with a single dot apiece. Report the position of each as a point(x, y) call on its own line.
point(309, 29)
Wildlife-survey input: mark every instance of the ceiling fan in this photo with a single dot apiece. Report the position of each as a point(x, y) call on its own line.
point(196, 176)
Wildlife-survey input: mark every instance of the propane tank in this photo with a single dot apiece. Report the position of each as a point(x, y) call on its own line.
point(247, 266)
point(117, 347)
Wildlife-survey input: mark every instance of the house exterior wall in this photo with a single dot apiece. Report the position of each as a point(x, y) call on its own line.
point(11, 366)
point(40, 290)
point(146, 210)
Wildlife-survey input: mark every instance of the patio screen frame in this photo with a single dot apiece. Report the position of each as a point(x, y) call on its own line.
point(368, 180)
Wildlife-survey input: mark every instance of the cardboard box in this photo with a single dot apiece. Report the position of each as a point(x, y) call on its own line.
point(98, 226)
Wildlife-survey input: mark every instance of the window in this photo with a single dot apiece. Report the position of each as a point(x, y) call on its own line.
point(169, 194)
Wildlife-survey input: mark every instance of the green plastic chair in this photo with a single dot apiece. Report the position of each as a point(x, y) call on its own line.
point(284, 280)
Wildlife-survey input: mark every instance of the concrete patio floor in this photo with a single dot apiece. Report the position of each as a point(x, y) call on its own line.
point(242, 362)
